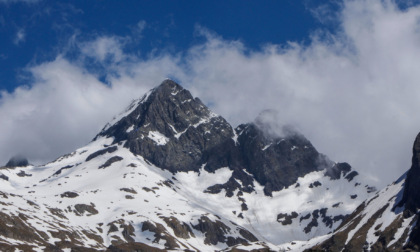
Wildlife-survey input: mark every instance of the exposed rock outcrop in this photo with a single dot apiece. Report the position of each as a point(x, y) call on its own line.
point(17, 161)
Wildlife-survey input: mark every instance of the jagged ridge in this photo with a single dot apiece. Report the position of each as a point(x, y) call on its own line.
point(175, 131)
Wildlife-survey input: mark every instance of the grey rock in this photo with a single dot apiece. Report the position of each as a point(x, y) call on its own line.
point(286, 219)
point(4, 177)
point(82, 208)
point(411, 196)
point(110, 161)
point(277, 162)
point(69, 195)
point(101, 152)
point(214, 232)
point(58, 172)
point(17, 161)
point(338, 169)
point(24, 174)
point(350, 176)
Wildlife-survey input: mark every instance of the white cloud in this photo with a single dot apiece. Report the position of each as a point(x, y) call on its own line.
point(104, 48)
point(141, 25)
point(355, 95)
point(19, 37)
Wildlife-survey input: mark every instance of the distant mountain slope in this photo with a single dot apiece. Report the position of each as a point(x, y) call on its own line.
point(169, 174)
point(388, 221)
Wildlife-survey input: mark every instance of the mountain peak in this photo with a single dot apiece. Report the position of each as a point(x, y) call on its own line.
point(167, 90)
point(169, 85)
point(171, 129)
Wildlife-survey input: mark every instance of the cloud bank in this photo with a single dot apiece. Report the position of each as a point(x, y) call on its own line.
point(354, 94)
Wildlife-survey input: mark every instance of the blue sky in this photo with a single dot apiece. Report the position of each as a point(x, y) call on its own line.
point(343, 72)
point(36, 31)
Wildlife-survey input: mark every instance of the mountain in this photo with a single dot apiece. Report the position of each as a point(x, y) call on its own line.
point(169, 174)
point(388, 221)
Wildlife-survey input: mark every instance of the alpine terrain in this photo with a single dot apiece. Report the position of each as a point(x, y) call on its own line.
point(388, 221)
point(169, 174)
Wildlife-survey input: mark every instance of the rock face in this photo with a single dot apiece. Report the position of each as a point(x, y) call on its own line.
point(411, 197)
point(277, 162)
point(174, 130)
point(17, 161)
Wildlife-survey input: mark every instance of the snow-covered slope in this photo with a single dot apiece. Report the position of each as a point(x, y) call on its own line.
point(169, 174)
point(388, 221)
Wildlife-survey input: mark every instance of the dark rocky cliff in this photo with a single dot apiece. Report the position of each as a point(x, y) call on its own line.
point(276, 162)
point(411, 197)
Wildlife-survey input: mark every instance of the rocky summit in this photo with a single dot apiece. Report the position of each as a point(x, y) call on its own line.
point(169, 174)
point(174, 131)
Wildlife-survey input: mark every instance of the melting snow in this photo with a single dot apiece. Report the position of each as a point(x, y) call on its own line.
point(385, 196)
point(406, 224)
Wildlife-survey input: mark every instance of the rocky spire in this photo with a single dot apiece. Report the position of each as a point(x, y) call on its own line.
point(411, 197)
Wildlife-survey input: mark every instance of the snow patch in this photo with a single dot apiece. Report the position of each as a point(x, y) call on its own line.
point(266, 147)
point(173, 129)
point(158, 137)
point(130, 129)
point(202, 180)
point(235, 137)
point(178, 135)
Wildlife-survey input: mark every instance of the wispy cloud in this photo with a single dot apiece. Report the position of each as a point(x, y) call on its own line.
point(354, 94)
point(105, 48)
point(141, 25)
point(19, 37)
